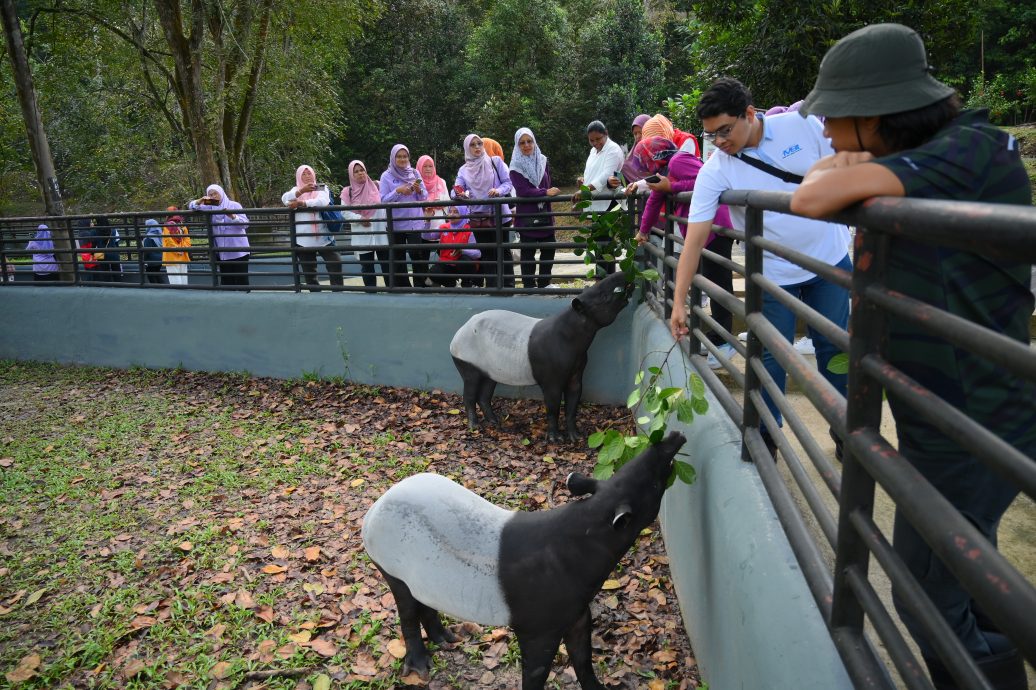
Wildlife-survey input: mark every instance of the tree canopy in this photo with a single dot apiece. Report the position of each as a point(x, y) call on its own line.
point(148, 100)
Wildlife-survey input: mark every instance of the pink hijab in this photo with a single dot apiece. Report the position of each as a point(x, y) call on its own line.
point(479, 171)
point(298, 182)
point(357, 194)
point(433, 184)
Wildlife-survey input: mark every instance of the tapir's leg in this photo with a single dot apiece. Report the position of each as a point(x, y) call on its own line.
point(416, 658)
point(485, 400)
point(538, 652)
point(552, 392)
point(577, 641)
point(473, 380)
point(573, 393)
point(433, 627)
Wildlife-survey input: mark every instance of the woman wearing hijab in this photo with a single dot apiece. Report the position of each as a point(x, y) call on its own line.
point(151, 253)
point(530, 176)
point(229, 234)
point(311, 234)
point(485, 177)
point(106, 251)
point(367, 225)
point(401, 183)
point(44, 265)
point(493, 148)
point(677, 172)
point(175, 242)
point(434, 216)
point(660, 126)
point(630, 171)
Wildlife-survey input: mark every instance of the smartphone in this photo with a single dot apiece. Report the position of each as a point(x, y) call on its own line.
point(653, 179)
point(321, 186)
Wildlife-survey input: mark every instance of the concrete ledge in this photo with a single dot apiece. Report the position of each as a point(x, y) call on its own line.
point(745, 604)
point(394, 341)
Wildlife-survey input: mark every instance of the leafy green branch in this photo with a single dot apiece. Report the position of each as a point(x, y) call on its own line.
point(652, 406)
point(608, 238)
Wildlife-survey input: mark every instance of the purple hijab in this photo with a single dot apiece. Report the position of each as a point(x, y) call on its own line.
point(404, 175)
point(479, 171)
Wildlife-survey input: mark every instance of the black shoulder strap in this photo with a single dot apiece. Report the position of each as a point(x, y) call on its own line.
point(771, 170)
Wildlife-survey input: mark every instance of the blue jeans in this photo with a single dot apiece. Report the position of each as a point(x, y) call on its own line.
point(827, 298)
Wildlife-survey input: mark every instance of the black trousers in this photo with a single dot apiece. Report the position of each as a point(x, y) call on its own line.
point(446, 273)
point(154, 274)
point(307, 257)
point(46, 277)
point(370, 278)
point(233, 271)
point(529, 265)
point(484, 231)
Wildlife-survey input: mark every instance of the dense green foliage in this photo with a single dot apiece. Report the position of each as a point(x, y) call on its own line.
point(344, 81)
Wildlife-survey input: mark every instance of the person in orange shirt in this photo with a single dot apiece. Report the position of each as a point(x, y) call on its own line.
point(175, 242)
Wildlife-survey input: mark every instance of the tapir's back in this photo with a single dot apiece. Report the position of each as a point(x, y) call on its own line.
point(443, 541)
point(497, 342)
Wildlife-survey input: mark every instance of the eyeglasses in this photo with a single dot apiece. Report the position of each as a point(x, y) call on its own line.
point(721, 133)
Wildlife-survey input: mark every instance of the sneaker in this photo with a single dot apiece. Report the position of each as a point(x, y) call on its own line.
point(743, 336)
point(727, 350)
point(804, 346)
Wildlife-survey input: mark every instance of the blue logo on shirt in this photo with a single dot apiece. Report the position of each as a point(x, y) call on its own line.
point(789, 151)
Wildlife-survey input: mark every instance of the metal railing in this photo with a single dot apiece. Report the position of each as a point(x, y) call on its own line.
point(388, 259)
point(844, 594)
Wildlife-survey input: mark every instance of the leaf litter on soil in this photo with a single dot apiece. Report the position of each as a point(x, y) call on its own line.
point(203, 530)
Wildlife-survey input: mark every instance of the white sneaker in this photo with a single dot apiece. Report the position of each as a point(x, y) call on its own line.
point(728, 351)
point(804, 346)
point(743, 336)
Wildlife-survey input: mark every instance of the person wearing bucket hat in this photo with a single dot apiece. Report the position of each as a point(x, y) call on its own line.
point(766, 153)
point(897, 131)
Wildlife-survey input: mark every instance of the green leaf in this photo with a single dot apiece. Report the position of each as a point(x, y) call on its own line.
point(638, 378)
point(591, 274)
point(633, 398)
point(650, 275)
point(697, 386)
point(657, 424)
point(322, 682)
point(700, 405)
point(595, 439)
point(654, 371)
point(685, 471)
point(685, 411)
point(578, 251)
point(656, 436)
point(643, 420)
point(612, 449)
point(839, 364)
point(670, 392)
point(603, 470)
point(636, 442)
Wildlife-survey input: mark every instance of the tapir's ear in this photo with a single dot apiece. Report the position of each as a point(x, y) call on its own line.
point(578, 306)
point(580, 485)
point(623, 515)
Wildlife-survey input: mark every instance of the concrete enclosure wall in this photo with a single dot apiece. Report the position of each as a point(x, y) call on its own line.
point(745, 605)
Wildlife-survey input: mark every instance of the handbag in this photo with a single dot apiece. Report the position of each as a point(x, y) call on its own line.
point(333, 221)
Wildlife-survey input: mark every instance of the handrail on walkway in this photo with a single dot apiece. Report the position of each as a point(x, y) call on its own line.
point(845, 594)
point(375, 248)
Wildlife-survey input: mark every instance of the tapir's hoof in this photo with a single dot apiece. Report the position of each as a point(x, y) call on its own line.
point(443, 636)
point(574, 436)
point(553, 437)
point(422, 666)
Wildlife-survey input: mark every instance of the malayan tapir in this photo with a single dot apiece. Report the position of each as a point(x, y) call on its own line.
point(444, 548)
point(498, 346)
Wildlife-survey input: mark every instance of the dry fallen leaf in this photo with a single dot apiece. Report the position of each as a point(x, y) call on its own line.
point(243, 599)
point(322, 682)
point(365, 665)
point(35, 596)
point(273, 569)
point(324, 647)
point(396, 648)
point(656, 684)
point(611, 584)
point(185, 546)
point(25, 669)
point(132, 668)
point(412, 679)
point(279, 552)
point(313, 553)
point(221, 670)
point(301, 638)
point(265, 613)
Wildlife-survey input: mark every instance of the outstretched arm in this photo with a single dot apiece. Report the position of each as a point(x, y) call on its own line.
point(838, 181)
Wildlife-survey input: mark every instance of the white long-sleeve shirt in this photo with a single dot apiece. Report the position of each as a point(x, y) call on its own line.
point(599, 167)
point(309, 230)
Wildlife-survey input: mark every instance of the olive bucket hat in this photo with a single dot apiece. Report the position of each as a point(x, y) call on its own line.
point(877, 70)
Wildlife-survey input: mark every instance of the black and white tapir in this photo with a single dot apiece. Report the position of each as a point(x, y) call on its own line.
point(444, 548)
point(498, 346)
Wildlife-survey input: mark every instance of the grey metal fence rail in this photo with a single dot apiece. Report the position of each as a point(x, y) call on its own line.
point(845, 595)
point(377, 251)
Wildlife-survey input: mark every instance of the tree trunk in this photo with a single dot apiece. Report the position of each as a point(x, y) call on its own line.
point(190, 91)
point(46, 176)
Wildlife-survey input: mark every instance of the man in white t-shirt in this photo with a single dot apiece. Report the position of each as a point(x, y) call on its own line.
point(788, 143)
